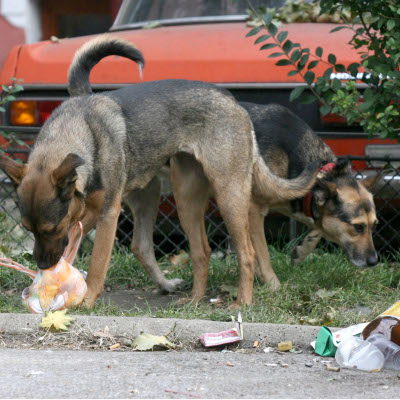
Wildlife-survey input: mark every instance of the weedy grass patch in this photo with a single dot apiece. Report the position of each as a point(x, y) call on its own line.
point(326, 289)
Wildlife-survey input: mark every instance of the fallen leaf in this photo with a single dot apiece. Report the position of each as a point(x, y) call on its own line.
point(324, 294)
point(104, 334)
point(231, 290)
point(146, 341)
point(57, 319)
point(181, 258)
point(325, 319)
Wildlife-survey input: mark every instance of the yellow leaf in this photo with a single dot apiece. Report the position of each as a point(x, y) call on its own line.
point(146, 341)
point(57, 319)
point(180, 259)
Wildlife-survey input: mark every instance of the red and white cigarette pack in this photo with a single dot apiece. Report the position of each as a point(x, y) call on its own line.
point(221, 338)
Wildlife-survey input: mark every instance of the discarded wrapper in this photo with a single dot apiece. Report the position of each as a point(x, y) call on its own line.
point(324, 344)
point(220, 338)
point(343, 334)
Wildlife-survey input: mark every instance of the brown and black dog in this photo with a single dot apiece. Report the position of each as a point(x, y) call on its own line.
point(98, 150)
point(338, 207)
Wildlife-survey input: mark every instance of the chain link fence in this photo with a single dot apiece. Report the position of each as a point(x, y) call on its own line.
point(169, 237)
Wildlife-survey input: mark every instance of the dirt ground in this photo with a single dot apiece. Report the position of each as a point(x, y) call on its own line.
point(128, 299)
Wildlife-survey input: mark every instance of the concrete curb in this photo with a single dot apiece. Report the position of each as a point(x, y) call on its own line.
point(186, 330)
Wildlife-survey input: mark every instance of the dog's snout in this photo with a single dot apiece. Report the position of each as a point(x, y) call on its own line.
point(44, 264)
point(46, 259)
point(372, 259)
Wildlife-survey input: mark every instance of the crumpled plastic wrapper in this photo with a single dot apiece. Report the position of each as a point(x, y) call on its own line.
point(59, 287)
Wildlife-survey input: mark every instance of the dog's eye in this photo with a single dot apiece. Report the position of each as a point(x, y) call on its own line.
point(359, 228)
point(47, 230)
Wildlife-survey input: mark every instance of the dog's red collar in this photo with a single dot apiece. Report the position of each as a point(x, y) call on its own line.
point(308, 197)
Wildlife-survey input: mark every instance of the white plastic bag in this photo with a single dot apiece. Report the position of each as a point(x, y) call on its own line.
point(61, 286)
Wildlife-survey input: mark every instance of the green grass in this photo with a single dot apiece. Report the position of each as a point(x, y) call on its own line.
point(299, 299)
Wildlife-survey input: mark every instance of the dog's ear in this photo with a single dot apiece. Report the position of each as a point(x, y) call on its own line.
point(342, 167)
point(323, 190)
point(15, 171)
point(65, 176)
point(371, 182)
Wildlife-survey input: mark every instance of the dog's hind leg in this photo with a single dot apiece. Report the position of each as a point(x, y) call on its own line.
point(191, 192)
point(234, 208)
point(263, 266)
point(308, 244)
point(144, 205)
point(106, 228)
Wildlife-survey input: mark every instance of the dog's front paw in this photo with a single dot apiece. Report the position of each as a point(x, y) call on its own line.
point(88, 303)
point(295, 258)
point(274, 284)
point(172, 285)
point(90, 299)
point(192, 300)
point(235, 306)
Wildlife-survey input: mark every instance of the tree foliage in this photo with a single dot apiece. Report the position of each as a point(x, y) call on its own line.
point(375, 27)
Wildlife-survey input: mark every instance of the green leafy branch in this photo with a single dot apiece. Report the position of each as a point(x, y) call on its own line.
point(377, 41)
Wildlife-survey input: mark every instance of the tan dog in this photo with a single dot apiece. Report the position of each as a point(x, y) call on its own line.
point(338, 207)
point(97, 150)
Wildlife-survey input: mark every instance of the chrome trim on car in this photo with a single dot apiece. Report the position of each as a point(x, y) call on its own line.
point(26, 130)
point(342, 135)
point(226, 85)
point(179, 21)
point(325, 135)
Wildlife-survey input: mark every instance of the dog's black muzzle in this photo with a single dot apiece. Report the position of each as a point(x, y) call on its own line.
point(47, 253)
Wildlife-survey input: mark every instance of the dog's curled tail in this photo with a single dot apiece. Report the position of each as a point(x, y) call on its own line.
point(275, 189)
point(91, 53)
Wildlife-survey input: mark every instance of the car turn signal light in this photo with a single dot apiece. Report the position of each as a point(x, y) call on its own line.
point(23, 113)
point(31, 112)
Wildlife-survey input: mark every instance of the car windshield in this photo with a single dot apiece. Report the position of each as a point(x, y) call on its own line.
point(140, 11)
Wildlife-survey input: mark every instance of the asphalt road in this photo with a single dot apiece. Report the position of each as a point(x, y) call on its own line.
point(183, 374)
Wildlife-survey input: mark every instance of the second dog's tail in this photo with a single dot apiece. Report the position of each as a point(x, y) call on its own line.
point(275, 189)
point(91, 53)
